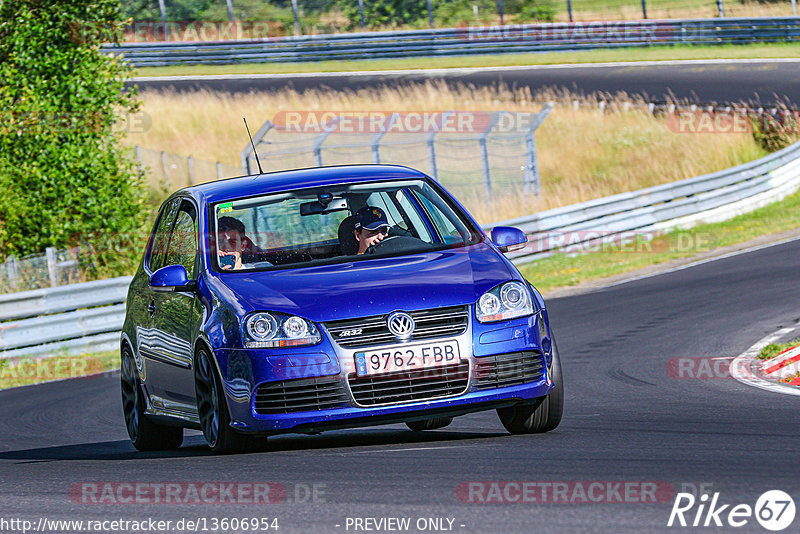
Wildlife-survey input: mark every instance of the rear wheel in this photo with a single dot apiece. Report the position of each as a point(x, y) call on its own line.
point(213, 409)
point(544, 414)
point(144, 433)
point(429, 424)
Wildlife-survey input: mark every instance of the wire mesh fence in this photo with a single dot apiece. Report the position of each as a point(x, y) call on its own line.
point(48, 269)
point(478, 156)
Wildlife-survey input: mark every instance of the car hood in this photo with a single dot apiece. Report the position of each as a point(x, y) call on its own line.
point(356, 289)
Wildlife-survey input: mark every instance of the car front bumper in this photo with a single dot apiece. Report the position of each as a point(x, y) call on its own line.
point(505, 364)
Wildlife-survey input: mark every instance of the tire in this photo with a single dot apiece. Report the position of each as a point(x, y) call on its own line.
point(429, 424)
point(544, 414)
point(144, 433)
point(212, 408)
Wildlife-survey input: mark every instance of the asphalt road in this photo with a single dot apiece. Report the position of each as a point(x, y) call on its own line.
point(696, 82)
point(626, 419)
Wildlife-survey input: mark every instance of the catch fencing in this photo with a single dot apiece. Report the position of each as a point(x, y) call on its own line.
point(497, 152)
point(503, 39)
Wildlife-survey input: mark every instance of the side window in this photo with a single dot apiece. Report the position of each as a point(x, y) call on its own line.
point(182, 249)
point(158, 248)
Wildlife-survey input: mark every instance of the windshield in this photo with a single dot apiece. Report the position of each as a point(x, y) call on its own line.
point(334, 224)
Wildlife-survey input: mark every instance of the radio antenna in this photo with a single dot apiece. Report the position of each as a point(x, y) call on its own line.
point(260, 170)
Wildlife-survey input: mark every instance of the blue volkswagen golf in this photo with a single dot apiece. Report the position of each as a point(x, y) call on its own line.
point(329, 298)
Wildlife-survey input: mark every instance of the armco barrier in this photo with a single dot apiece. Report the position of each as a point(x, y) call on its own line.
point(708, 198)
point(75, 318)
point(88, 316)
point(514, 38)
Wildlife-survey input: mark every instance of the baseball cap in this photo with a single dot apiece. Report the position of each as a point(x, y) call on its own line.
point(370, 218)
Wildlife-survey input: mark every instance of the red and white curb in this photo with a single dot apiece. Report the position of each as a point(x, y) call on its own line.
point(748, 369)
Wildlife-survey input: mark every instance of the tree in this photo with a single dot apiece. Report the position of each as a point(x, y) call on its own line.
point(64, 177)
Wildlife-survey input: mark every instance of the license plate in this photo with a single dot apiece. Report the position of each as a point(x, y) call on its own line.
point(407, 358)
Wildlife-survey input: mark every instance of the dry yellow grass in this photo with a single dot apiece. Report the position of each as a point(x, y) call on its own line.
point(583, 153)
point(671, 9)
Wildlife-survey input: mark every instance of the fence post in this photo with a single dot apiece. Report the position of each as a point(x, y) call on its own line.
point(533, 181)
point(361, 13)
point(644, 8)
point(296, 19)
point(13, 271)
point(431, 142)
point(482, 142)
point(163, 18)
point(164, 168)
point(430, 13)
point(569, 9)
point(376, 139)
point(794, 7)
point(190, 164)
point(219, 171)
point(720, 8)
point(500, 10)
point(230, 10)
point(327, 129)
point(52, 265)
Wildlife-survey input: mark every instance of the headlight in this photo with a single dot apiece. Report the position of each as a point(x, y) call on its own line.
point(505, 301)
point(270, 330)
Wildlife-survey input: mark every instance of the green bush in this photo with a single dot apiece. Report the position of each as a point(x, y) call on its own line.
point(775, 132)
point(383, 13)
point(64, 177)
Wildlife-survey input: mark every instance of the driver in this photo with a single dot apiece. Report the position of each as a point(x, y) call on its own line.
point(371, 227)
point(233, 242)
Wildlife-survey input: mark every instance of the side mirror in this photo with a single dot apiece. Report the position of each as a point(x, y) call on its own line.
point(508, 238)
point(171, 278)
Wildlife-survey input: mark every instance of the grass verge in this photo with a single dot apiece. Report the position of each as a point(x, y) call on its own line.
point(655, 53)
point(773, 349)
point(564, 270)
point(34, 370)
point(619, 150)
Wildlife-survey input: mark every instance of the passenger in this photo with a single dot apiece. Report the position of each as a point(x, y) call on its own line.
point(232, 241)
point(371, 227)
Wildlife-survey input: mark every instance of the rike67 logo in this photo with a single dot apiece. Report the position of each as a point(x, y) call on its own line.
point(774, 510)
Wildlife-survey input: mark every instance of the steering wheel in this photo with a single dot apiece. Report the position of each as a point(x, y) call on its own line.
point(394, 244)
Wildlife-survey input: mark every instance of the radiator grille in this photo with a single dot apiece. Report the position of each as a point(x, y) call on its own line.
point(368, 331)
point(411, 386)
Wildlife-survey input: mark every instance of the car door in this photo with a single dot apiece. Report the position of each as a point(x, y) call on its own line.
point(175, 321)
point(145, 301)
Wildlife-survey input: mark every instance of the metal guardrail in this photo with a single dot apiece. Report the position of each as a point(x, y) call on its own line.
point(88, 316)
point(707, 198)
point(513, 38)
point(74, 318)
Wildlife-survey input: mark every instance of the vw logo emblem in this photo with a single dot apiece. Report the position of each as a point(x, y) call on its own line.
point(401, 324)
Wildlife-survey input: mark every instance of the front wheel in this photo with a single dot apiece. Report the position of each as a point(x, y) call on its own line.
point(544, 414)
point(144, 433)
point(213, 409)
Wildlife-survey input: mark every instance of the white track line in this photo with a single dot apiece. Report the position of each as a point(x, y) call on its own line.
point(462, 70)
point(742, 367)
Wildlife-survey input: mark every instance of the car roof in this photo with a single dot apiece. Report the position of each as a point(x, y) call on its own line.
point(273, 182)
